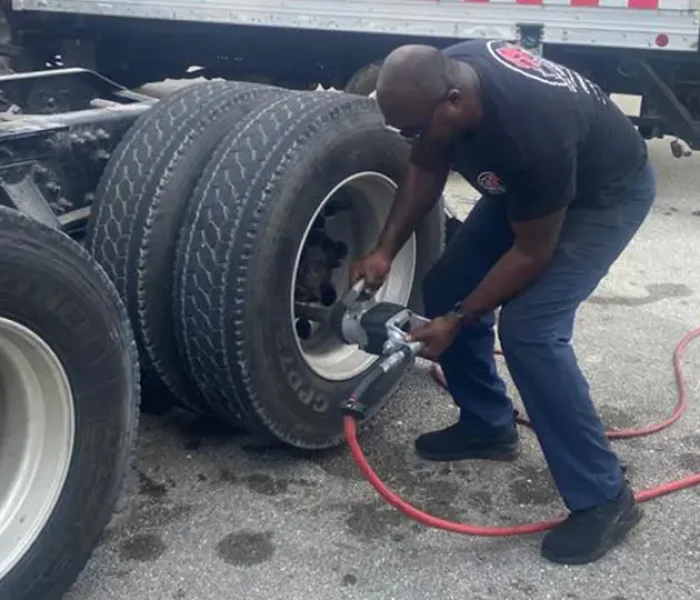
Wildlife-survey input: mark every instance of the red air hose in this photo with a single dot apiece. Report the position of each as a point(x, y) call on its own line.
point(350, 429)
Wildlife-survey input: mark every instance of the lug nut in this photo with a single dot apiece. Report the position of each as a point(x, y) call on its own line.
point(316, 238)
point(303, 328)
point(341, 250)
point(328, 294)
point(328, 246)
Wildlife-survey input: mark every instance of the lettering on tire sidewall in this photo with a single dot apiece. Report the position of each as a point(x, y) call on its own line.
point(48, 298)
point(304, 390)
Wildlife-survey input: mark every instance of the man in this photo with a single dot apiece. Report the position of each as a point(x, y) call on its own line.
point(565, 185)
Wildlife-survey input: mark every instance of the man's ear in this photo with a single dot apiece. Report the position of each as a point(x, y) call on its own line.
point(454, 96)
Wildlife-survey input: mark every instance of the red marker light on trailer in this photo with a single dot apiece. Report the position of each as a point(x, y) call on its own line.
point(662, 40)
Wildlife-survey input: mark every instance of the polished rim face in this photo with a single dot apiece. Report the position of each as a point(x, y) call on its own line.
point(346, 226)
point(37, 430)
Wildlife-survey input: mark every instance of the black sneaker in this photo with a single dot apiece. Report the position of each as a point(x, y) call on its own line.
point(587, 535)
point(454, 443)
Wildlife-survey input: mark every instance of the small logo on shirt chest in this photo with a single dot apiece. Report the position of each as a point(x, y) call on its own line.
point(491, 183)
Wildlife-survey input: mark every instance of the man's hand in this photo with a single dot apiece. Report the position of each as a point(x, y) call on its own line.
point(373, 268)
point(437, 336)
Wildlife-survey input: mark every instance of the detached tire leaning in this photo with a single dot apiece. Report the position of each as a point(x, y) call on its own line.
point(69, 392)
point(364, 81)
point(139, 205)
point(284, 205)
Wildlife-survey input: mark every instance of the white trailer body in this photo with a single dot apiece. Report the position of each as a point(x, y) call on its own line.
point(658, 24)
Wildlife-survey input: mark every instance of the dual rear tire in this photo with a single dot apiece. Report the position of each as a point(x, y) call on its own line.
point(227, 210)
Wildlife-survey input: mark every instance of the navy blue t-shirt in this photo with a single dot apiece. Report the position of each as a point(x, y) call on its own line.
point(549, 137)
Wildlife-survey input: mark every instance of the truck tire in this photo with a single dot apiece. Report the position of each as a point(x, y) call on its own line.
point(139, 205)
point(296, 174)
point(69, 393)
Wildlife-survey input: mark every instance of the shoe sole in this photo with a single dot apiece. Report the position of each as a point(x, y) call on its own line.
point(622, 528)
point(505, 456)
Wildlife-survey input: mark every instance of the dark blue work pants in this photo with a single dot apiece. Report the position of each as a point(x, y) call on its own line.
point(535, 330)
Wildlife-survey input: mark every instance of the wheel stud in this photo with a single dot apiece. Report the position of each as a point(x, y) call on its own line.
point(328, 246)
point(328, 294)
point(341, 250)
point(316, 238)
point(303, 328)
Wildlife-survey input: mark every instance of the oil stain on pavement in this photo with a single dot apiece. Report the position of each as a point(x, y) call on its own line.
point(533, 487)
point(139, 537)
point(149, 487)
point(246, 548)
point(655, 293)
point(261, 483)
point(264, 484)
point(145, 547)
point(371, 521)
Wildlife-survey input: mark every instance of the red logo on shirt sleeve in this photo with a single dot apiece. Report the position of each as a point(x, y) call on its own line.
point(540, 69)
point(519, 57)
point(491, 183)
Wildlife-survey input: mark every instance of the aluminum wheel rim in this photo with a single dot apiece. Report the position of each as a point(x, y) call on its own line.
point(370, 196)
point(37, 430)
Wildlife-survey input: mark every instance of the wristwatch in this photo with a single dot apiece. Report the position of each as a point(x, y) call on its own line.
point(465, 317)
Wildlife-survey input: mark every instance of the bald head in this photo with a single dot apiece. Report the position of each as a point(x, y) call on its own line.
point(421, 72)
point(414, 78)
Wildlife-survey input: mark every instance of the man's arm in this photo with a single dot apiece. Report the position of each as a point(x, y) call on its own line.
point(534, 246)
point(541, 196)
point(416, 195)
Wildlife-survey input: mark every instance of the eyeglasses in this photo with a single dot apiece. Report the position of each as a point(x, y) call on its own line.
point(411, 134)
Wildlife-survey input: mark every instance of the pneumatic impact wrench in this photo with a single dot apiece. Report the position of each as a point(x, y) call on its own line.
point(378, 328)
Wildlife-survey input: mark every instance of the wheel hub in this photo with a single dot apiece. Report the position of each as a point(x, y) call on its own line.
point(345, 226)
